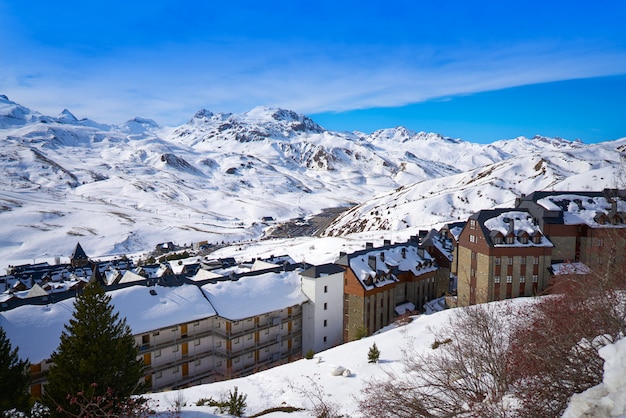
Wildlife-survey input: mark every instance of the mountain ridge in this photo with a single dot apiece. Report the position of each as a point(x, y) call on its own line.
point(215, 178)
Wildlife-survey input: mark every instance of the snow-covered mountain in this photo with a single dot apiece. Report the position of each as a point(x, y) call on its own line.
point(124, 188)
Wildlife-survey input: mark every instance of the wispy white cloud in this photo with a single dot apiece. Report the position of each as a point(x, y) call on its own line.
point(170, 83)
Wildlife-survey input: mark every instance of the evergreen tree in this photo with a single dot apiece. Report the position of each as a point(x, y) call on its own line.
point(373, 354)
point(96, 358)
point(14, 377)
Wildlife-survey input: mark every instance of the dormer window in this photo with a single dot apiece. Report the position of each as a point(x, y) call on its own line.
point(510, 239)
point(537, 238)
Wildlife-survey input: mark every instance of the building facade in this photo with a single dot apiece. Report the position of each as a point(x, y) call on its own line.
point(383, 283)
point(323, 312)
point(501, 254)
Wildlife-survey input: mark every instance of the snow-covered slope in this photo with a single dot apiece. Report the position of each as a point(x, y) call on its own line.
point(303, 383)
point(455, 197)
point(124, 188)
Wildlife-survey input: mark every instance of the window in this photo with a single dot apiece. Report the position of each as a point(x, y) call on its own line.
point(496, 279)
point(158, 375)
point(236, 340)
point(535, 278)
point(473, 255)
point(175, 329)
point(472, 223)
point(157, 353)
point(197, 342)
point(249, 336)
point(325, 322)
point(325, 289)
point(536, 261)
point(472, 238)
point(509, 279)
point(176, 369)
point(522, 279)
point(510, 261)
point(324, 339)
point(325, 306)
point(198, 362)
point(218, 344)
point(509, 239)
point(498, 261)
point(522, 260)
point(195, 324)
point(145, 339)
point(175, 349)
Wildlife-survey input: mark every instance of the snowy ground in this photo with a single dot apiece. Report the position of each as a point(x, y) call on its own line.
point(286, 385)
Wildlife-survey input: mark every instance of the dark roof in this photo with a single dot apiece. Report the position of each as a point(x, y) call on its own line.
point(324, 269)
point(79, 253)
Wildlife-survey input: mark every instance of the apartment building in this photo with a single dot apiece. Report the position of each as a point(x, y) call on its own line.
point(585, 226)
point(187, 332)
point(382, 283)
point(502, 254)
point(323, 313)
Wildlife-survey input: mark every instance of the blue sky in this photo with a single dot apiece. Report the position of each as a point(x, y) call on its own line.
point(480, 71)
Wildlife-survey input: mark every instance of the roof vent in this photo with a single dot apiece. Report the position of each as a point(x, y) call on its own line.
point(153, 292)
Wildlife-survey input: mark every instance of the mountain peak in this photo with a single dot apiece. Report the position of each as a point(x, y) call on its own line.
point(67, 116)
point(203, 114)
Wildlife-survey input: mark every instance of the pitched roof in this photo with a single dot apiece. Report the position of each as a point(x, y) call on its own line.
point(79, 253)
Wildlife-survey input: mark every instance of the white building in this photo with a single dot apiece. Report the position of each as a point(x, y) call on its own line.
point(323, 314)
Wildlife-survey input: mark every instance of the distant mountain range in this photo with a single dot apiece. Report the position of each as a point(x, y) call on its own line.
point(124, 188)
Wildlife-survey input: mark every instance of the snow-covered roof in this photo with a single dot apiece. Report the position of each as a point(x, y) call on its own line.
point(518, 222)
point(580, 209)
point(404, 308)
point(36, 329)
point(130, 277)
point(253, 295)
point(404, 258)
point(569, 268)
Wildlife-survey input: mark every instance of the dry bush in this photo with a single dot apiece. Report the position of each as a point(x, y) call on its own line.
point(556, 355)
point(465, 377)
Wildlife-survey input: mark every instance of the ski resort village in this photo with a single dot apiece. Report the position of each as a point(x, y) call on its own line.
point(198, 319)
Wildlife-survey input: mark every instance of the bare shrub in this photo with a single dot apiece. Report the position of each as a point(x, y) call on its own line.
point(465, 377)
point(321, 407)
point(556, 355)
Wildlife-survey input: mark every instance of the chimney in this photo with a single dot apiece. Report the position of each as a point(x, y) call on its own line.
point(371, 261)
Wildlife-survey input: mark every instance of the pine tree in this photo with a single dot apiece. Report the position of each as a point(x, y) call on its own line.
point(373, 354)
point(97, 356)
point(14, 377)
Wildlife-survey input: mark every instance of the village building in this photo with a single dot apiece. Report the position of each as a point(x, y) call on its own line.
point(187, 332)
point(502, 254)
point(323, 313)
point(383, 283)
point(585, 226)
